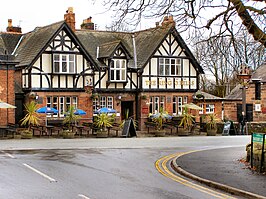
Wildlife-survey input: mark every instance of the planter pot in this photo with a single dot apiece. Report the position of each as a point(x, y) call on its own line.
point(183, 132)
point(102, 134)
point(26, 134)
point(211, 132)
point(67, 134)
point(160, 133)
point(17, 136)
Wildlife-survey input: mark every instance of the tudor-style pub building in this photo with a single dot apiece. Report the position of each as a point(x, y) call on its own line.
point(59, 65)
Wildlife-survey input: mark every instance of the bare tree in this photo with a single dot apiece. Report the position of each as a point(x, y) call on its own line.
point(224, 17)
point(220, 60)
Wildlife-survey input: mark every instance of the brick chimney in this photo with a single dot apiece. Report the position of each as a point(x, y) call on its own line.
point(11, 28)
point(168, 20)
point(69, 17)
point(87, 24)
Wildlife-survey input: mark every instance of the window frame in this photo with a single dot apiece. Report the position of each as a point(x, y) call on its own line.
point(67, 59)
point(118, 72)
point(169, 66)
point(210, 108)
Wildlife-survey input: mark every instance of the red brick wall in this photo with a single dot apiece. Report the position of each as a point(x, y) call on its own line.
point(7, 94)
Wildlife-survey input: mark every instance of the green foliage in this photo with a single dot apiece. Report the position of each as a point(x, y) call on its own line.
point(211, 121)
point(187, 119)
point(160, 119)
point(70, 117)
point(103, 121)
point(32, 117)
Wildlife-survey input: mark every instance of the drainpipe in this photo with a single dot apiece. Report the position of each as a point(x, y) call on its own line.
point(134, 50)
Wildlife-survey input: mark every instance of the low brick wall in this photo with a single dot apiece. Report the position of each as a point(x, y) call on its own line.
point(256, 127)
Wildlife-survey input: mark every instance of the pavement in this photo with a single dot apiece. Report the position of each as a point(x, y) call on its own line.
point(222, 169)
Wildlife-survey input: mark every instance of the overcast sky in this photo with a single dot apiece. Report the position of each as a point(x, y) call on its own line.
point(29, 14)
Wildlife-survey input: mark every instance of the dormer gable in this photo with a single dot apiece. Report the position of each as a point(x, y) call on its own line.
point(111, 50)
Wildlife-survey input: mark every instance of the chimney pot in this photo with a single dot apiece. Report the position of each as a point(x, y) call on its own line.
point(11, 28)
point(69, 17)
point(9, 23)
point(87, 24)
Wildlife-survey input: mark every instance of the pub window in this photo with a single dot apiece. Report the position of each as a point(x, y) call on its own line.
point(109, 102)
point(156, 103)
point(62, 104)
point(151, 105)
point(169, 66)
point(179, 99)
point(185, 99)
point(174, 106)
point(118, 70)
point(201, 111)
point(64, 63)
point(95, 105)
point(209, 108)
point(257, 91)
point(104, 101)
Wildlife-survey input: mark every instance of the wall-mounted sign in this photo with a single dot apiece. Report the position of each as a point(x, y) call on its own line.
point(257, 107)
point(169, 83)
point(145, 110)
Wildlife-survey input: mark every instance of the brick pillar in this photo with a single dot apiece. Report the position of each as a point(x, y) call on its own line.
point(7, 91)
point(69, 17)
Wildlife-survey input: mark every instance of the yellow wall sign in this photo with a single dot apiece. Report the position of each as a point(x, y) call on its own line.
point(169, 83)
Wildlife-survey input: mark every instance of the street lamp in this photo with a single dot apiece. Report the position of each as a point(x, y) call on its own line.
point(244, 76)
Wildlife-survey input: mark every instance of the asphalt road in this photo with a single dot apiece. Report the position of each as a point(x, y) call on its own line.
point(98, 168)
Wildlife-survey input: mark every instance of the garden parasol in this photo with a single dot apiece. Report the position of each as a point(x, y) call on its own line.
point(105, 110)
point(47, 110)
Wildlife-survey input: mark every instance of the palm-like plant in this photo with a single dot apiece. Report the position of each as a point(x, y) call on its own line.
point(70, 117)
point(32, 117)
point(103, 121)
point(187, 119)
point(160, 119)
point(211, 121)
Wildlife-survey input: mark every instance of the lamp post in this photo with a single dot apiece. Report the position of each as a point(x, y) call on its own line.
point(244, 76)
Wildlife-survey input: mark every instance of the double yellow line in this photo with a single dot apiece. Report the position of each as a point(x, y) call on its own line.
point(161, 166)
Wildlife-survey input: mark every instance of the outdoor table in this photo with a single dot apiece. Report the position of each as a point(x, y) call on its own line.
point(79, 129)
point(49, 130)
point(3, 130)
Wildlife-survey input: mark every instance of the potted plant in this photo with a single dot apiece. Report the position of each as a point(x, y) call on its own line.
point(102, 122)
point(186, 122)
point(30, 119)
point(211, 122)
point(69, 120)
point(159, 119)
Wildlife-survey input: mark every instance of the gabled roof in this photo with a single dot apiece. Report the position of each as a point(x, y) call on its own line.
point(235, 94)
point(33, 43)
point(8, 42)
point(206, 96)
point(147, 42)
point(28, 47)
point(92, 39)
point(258, 74)
point(108, 49)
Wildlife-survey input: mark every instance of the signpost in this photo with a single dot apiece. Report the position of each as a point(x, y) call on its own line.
point(257, 138)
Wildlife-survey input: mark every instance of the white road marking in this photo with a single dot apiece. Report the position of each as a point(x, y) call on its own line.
point(83, 196)
point(39, 172)
point(8, 154)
